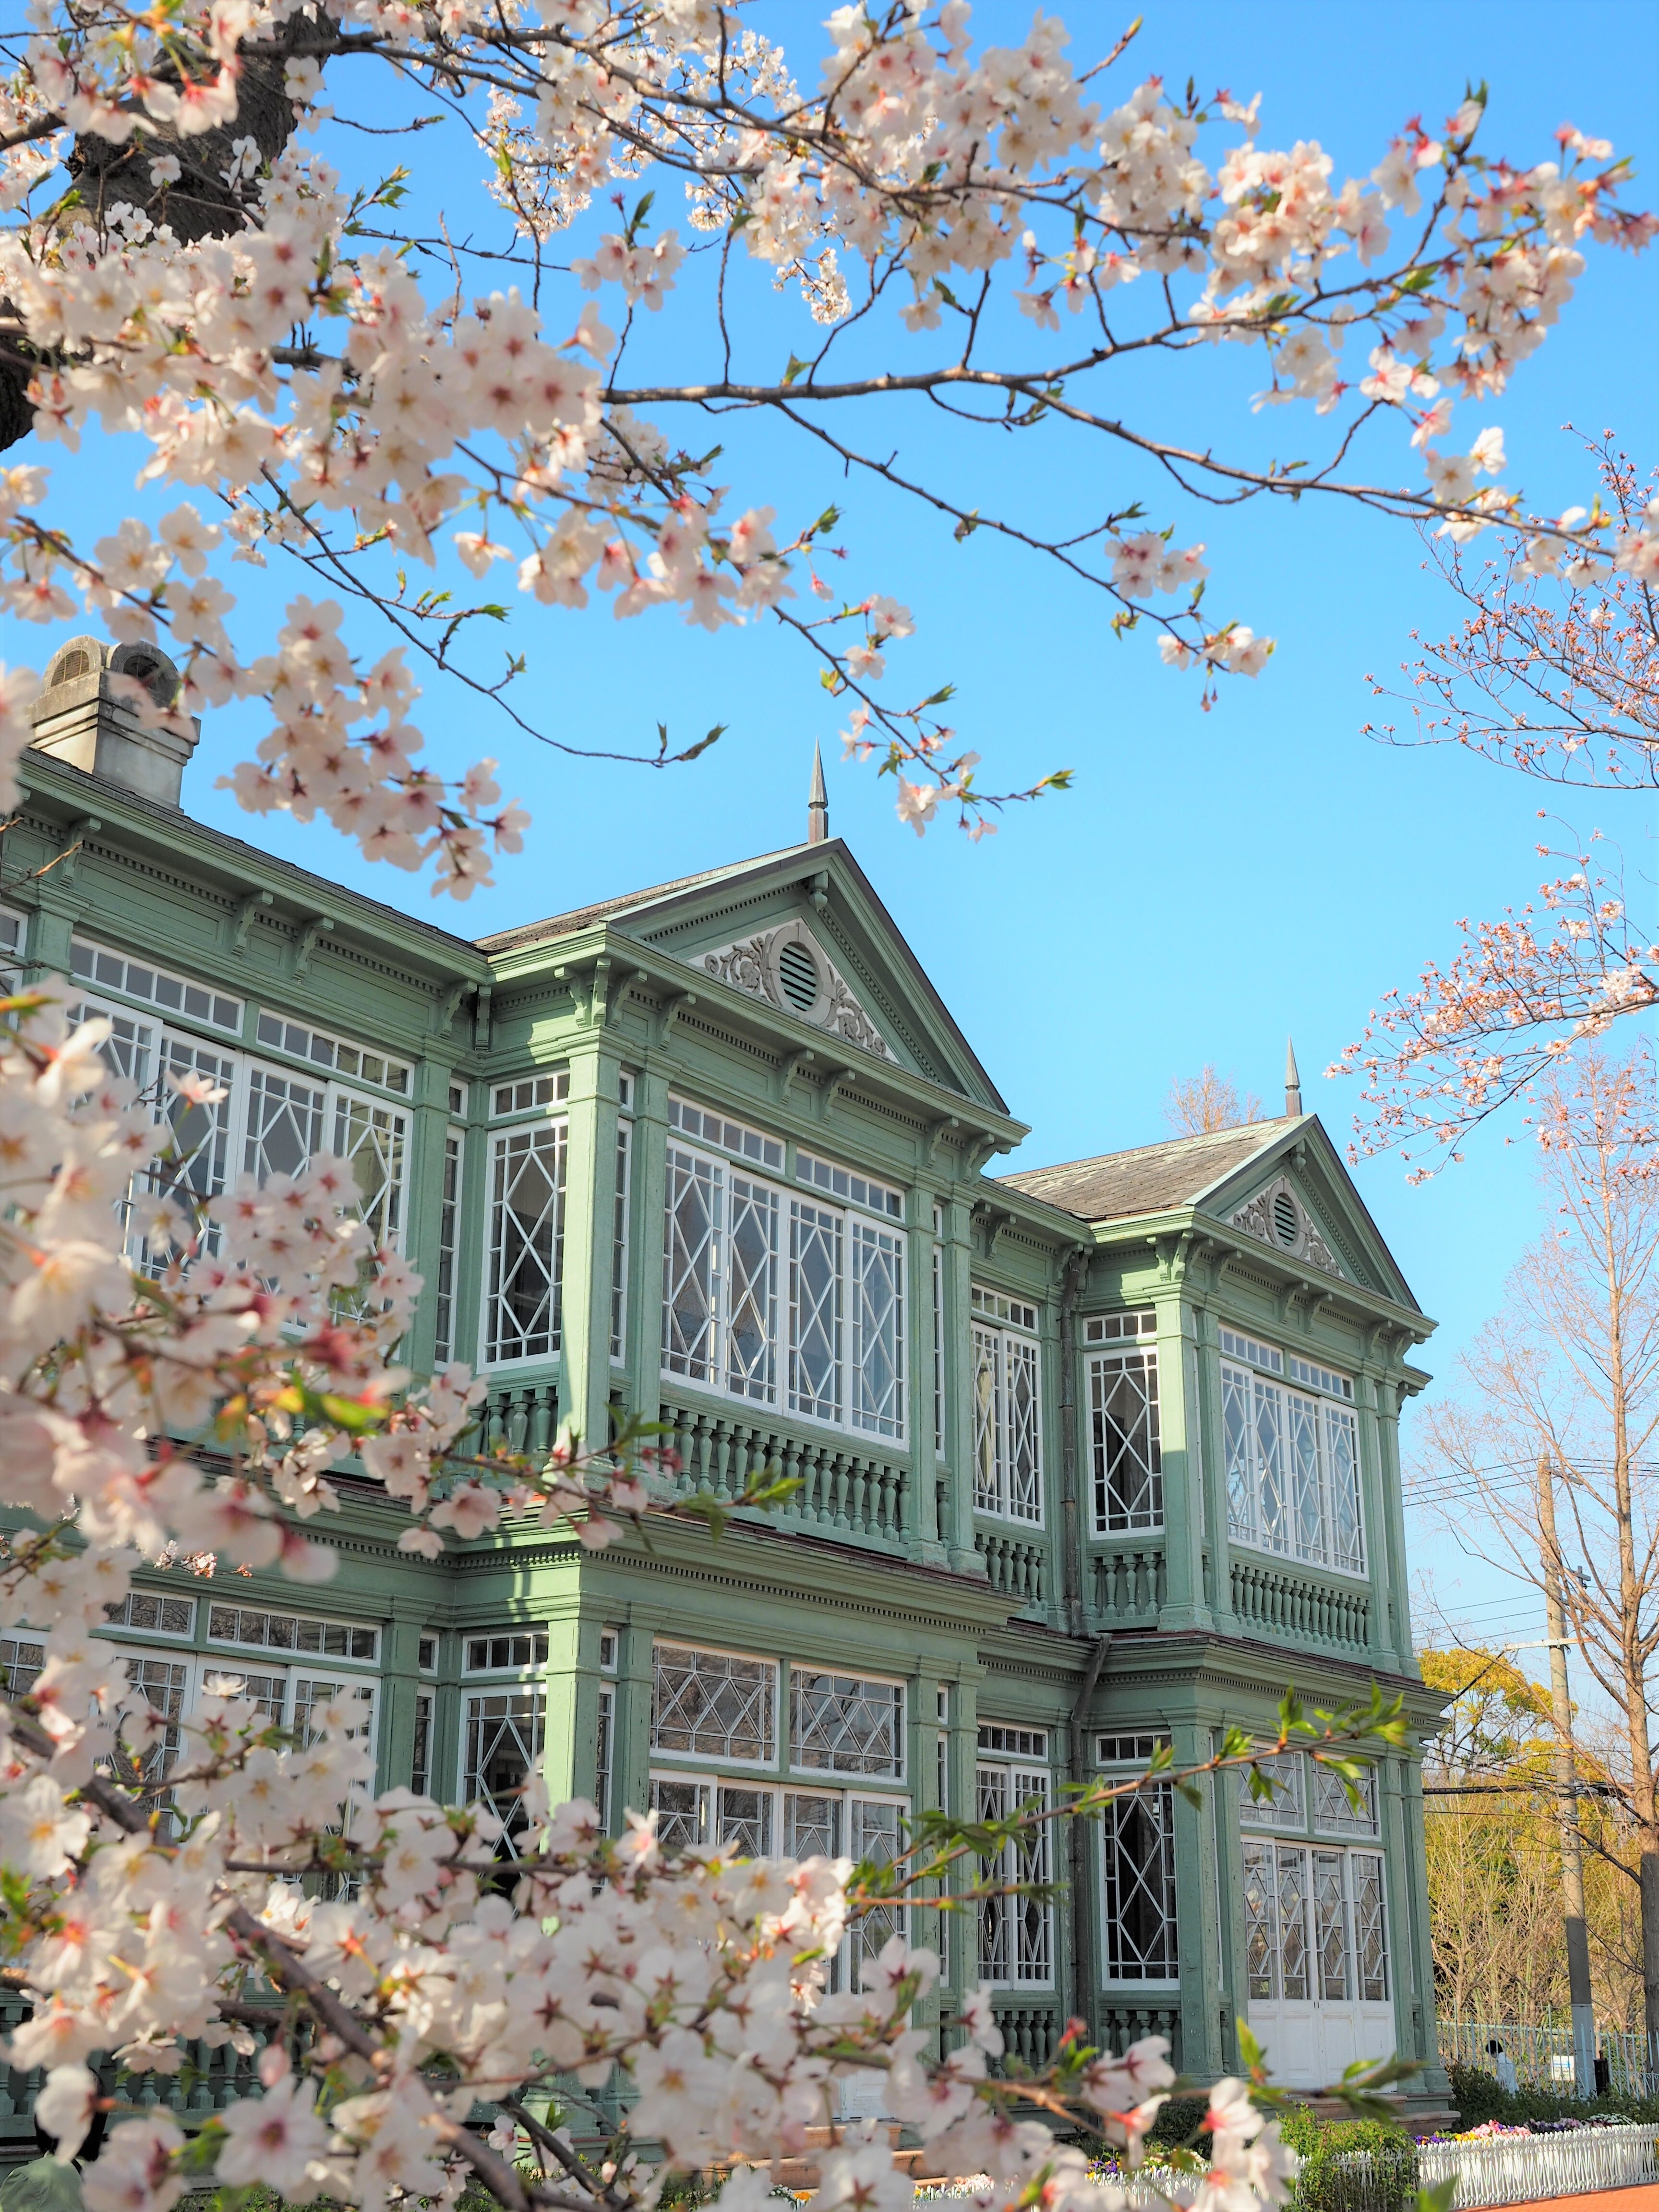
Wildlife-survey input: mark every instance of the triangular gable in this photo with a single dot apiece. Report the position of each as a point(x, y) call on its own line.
point(735, 925)
point(1296, 1197)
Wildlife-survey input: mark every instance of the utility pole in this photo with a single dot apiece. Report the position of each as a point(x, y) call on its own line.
point(1573, 1863)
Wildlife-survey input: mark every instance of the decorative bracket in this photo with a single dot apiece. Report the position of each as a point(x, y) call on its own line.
point(818, 890)
point(788, 1069)
point(843, 1081)
point(669, 1013)
point(979, 1151)
point(937, 1135)
point(316, 929)
point(67, 858)
point(482, 1017)
point(448, 1007)
point(599, 998)
point(246, 914)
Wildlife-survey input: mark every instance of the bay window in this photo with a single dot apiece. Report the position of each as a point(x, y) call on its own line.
point(1315, 1928)
point(1292, 1458)
point(774, 1298)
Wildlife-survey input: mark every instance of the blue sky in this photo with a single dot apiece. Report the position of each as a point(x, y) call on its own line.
point(1213, 882)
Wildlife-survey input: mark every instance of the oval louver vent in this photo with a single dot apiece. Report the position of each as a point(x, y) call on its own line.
point(1284, 1219)
point(797, 972)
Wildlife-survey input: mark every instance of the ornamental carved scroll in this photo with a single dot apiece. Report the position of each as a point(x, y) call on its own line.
point(1277, 1216)
point(787, 968)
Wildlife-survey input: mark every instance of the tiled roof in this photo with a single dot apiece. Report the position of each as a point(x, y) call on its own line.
point(582, 917)
point(1150, 1178)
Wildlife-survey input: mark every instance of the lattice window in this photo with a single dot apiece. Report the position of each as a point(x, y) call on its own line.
point(876, 1298)
point(22, 1661)
point(420, 1757)
point(1370, 1941)
point(374, 1140)
point(812, 1825)
point(1294, 1976)
point(1016, 1937)
point(938, 1352)
point(1261, 1933)
point(682, 1811)
point(743, 1820)
point(196, 1166)
point(504, 1736)
point(873, 1836)
point(605, 1752)
point(447, 1287)
point(751, 1300)
point(1007, 1426)
point(1292, 1470)
point(285, 1124)
point(157, 1687)
point(619, 1243)
point(690, 1258)
point(815, 1239)
point(1333, 1812)
point(1128, 1461)
point(1138, 1844)
point(320, 1707)
point(157, 986)
point(1285, 1807)
point(713, 1704)
point(527, 1242)
point(268, 1691)
point(288, 1632)
point(157, 1615)
point(1330, 1927)
point(842, 1724)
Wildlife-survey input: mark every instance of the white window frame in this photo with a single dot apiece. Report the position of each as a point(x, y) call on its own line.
point(532, 1135)
point(229, 1025)
point(1292, 1462)
point(1276, 1873)
point(1156, 1801)
point(1007, 1424)
point(1287, 1807)
point(447, 1286)
point(765, 1761)
point(304, 1053)
point(1024, 1928)
point(1141, 1444)
point(620, 1241)
point(851, 1775)
point(752, 1327)
point(526, 1684)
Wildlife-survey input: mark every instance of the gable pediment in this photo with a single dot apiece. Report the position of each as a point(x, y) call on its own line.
point(1278, 1215)
point(787, 967)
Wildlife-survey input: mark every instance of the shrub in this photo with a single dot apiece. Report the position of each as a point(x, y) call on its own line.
point(1326, 2184)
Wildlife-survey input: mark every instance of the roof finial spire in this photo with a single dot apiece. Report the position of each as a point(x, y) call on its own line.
point(817, 803)
point(1292, 1080)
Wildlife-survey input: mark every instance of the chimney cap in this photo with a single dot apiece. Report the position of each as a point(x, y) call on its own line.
point(84, 716)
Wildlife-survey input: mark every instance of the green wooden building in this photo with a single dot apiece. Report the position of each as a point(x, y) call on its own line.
point(1089, 1455)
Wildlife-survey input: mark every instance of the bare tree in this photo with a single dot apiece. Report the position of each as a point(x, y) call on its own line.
point(1568, 1374)
point(1208, 1100)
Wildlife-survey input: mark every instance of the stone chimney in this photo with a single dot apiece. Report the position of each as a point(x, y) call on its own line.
point(78, 718)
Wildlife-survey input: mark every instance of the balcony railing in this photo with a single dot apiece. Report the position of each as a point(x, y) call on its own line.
point(1014, 1565)
point(1122, 2022)
point(1030, 2027)
point(845, 1492)
point(1129, 1583)
point(1280, 1601)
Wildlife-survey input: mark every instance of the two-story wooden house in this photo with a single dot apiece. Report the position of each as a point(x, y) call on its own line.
point(1088, 1455)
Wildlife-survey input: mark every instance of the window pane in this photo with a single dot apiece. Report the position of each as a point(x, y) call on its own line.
point(285, 1124)
point(679, 1807)
point(1293, 1966)
point(752, 1294)
point(877, 1299)
point(811, 1826)
point(1273, 1514)
point(527, 1242)
point(1030, 1854)
point(1284, 1808)
point(989, 1495)
point(1307, 1517)
point(814, 1311)
point(1139, 1843)
point(711, 1703)
point(1347, 1540)
point(1236, 1437)
point(875, 1836)
point(995, 1917)
point(619, 1242)
point(1370, 1941)
point(371, 1136)
point(1128, 1478)
point(743, 1821)
point(1025, 1492)
point(1260, 1939)
point(503, 1744)
point(692, 1229)
point(843, 1725)
point(1330, 1926)
point(444, 1290)
point(1334, 1814)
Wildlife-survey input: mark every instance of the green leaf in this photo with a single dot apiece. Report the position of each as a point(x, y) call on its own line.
point(967, 527)
point(795, 368)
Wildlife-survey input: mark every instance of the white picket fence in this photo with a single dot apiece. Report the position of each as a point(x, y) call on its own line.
point(1520, 2169)
point(1544, 2058)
